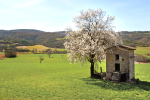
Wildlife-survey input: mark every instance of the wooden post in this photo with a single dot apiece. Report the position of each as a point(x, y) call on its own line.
point(101, 69)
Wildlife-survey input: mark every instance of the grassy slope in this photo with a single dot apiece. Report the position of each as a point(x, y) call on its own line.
point(142, 50)
point(25, 78)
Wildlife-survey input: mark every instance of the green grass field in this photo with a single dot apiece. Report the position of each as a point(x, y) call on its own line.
point(1, 52)
point(142, 50)
point(25, 78)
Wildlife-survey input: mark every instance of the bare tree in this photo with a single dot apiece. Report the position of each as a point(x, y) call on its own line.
point(62, 56)
point(41, 59)
point(34, 51)
point(94, 34)
point(141, 58)
point(49, 52)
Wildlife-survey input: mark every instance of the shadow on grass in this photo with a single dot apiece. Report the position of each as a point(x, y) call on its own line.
point(117, 86)
point(11, 57)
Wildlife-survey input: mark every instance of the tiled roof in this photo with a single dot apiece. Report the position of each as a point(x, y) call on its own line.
point(125, 47)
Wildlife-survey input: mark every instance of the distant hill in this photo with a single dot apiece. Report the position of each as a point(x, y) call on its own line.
point(61, 32)
point(36, 37)
point(22, 30)
point(27, 30)
point(18, 41)
point(137, 36)
point(56, 39)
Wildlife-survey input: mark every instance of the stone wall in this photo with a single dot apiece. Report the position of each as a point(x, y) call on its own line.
point(111, 59)
point(131, 64)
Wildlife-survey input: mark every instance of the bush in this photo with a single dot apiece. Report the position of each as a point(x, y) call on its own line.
point(22, 50)
point(141, 58)
point(148, 54)
point(41, 59)
point(10, 53)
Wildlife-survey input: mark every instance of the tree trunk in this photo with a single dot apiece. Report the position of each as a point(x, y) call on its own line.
point(92, 69)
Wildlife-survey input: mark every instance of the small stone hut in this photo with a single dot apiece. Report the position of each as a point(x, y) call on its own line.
point(120, 63)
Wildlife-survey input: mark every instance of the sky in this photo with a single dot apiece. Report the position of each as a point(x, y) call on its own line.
point(57, 15)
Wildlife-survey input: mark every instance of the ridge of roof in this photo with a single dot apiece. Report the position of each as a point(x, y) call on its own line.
point(127, 47)
point(123, 46)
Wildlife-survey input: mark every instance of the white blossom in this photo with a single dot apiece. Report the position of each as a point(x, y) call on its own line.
point(93, 36)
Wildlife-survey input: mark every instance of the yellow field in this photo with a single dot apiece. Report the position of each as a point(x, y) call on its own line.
point(39, 48)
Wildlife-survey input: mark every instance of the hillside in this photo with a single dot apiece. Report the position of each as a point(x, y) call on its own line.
point(15, 40)
point(142, 37)
point(36, 37)
point(22, 30)
point(56, 39)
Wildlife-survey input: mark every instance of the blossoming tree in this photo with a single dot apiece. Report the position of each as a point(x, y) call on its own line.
point(94, 34)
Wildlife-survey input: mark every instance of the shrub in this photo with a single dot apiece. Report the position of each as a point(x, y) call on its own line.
point(22, 50)
point(41, 59)
point(141, 58)
point(10, 53)
point(49, 52)
point(148, 54)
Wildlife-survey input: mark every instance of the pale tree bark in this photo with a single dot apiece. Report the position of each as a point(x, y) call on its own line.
point(94, 34)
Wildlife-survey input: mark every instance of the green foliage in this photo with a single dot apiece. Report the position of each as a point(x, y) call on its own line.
point(15, 40)
point(25, 78)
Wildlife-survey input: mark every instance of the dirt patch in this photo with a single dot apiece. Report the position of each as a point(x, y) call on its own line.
point(140, 63)
point(2, 56)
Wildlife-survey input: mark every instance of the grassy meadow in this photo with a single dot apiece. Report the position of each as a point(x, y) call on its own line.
point(25, 78)
point(1, 52)
point(142, 50)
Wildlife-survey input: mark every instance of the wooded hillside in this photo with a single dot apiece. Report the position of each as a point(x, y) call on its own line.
point(34, 37)
point(50, 39)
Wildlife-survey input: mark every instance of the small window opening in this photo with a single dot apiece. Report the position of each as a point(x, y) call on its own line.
point(117, 57)
point(122, 59)
point(117, 67)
